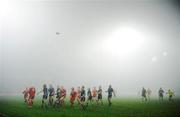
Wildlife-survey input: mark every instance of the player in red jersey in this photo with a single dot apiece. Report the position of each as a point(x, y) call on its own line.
point(25, 92)
point(63, 95)
point(94, 94)
point(31, 93)
point(73, 95)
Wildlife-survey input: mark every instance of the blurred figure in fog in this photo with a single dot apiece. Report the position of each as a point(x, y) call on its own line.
point(31, 93)
point(110, 91)
point(99, 96)
point(94, 94)
point(63, 95)
point(83, 97)
point(78, 95)
point(58, 95)
point(51, 95)
point(73, 95)
point(44, 97)
point(170, 94)
point(89, 95)
point(143, 94)
point(149, 93)
point(161, 94)
point(25, 92)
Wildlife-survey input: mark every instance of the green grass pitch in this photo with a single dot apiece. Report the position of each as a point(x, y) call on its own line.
point(122, 107)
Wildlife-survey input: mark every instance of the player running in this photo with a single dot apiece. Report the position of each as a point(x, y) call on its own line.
point(58, 95)
point(89, 95)
point(149, 93)
point(170, 94)
point(44, 97)
point(25, 92)
point(31, 93)
point(79, 95)
point(99, 96)
point(73, 95)
point(161, 94)
point(51, 95)
point(143, 94)
point(94, 94)
point(83, 97)
point(63, 96)
point(110, 91)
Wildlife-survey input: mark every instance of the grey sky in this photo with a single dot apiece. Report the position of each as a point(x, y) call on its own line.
point(32, 54)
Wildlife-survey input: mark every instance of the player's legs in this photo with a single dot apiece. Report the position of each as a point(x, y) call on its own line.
point(44, 103)
point(78, 100)
point(100, 99)
point(94, 99)
point(88, 100)
point(142, 98)
point(50, 100)
point(160, 98)
point(49, 103)
point(57, 102)
point(109, 100)
point(145, 98)
point(25, 98)
point(170, 98)
point(148, 97)
point(97, 100)
point(83, 99)
point(30, 101)
point(62, 101)
point(71, 102)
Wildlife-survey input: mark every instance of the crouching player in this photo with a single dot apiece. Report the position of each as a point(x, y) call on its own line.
point(72, 96)
point(31, 94)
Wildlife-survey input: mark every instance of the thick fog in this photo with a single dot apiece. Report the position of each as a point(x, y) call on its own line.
point(128, 44)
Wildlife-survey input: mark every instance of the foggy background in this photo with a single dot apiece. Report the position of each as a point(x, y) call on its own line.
point(33, 53)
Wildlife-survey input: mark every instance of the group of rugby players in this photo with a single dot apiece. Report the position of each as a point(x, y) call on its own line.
point(79, 94)
point(147, 93)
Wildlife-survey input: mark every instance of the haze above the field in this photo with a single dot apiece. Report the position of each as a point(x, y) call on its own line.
point(126, 44)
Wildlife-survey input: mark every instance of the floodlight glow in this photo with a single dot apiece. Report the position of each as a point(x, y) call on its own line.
point(164, 53)
point(123, 41)
point(154, 59)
